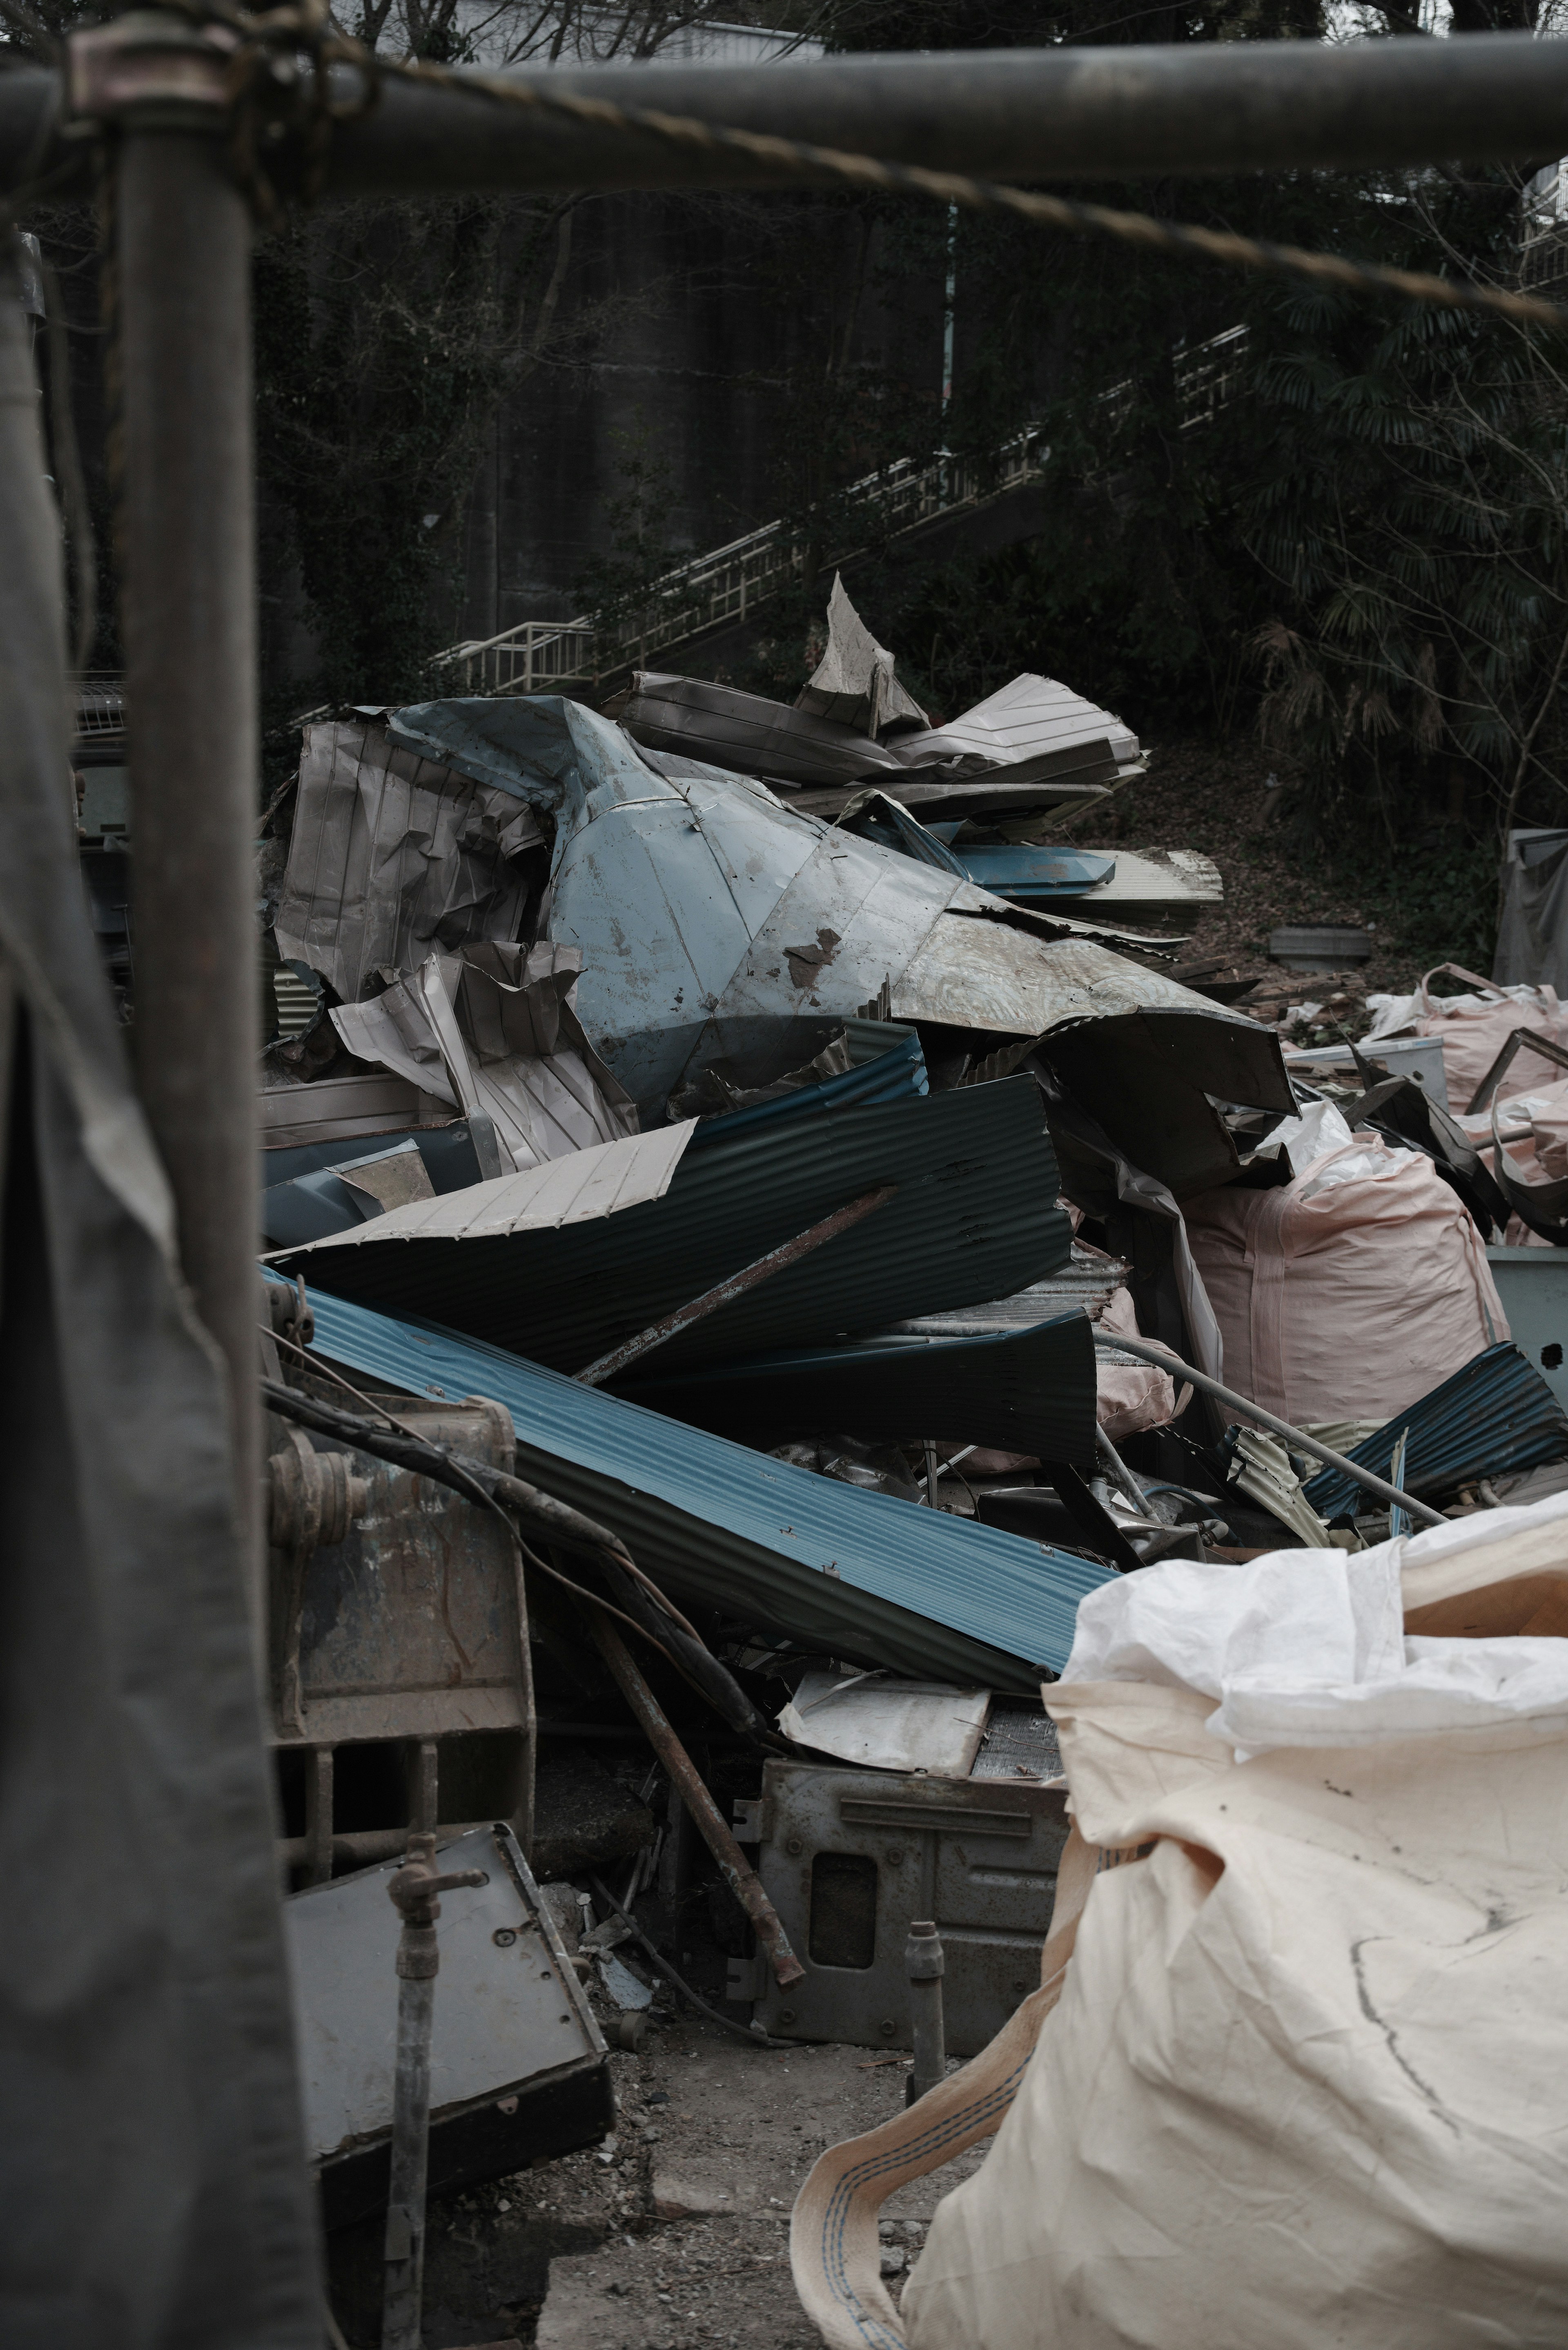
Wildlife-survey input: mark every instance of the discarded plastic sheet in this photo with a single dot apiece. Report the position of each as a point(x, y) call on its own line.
point(1532, 933)
point(1032, 728)
point(852, 1573)
point(973, 1210)
point(754, 925)
point(393, 854)
point(745, 732)
point(1030, 1390)
point(1495, 1416)
point(854, 681)
point(889, 1725)
point(605, 1181)
point(496, 1029)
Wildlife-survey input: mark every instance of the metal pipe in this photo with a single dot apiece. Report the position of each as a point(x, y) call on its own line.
point(923, 1965)
point(1163, 1359)
point(735, 1867)
point(1191, 108)
point(1181, 111)
point(414, 1891)
point(189, 607)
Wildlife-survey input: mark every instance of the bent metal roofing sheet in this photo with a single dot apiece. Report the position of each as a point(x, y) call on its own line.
point(855, 1573)
point(973, 1215)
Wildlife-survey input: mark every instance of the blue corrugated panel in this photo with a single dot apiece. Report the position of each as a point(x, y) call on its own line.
point(1031, 1390)
point(849, 1573)
point(897, 1075)
point(1495, 1416)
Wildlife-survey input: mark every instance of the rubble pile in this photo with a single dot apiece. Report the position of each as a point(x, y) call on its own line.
point(757, 1233)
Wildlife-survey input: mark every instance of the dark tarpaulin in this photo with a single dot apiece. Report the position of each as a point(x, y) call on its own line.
point(151, 2162)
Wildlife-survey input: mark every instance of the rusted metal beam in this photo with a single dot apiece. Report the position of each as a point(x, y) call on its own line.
point(761, 1269)
point(733, 1866)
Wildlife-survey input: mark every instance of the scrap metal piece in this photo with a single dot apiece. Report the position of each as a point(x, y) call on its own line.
point(1521, 1040)
point(1542, 1207)
point(1029, 1389)
point(1261, 1468)
point(854, 681)
point(973, 1210)
point(745, 732)
point(1496, 1416)
point(889, 1725)
point(495, 1029)
point(848, 1858)
point(1031, 728)
point(762, 1268)
point(754, 925)
point(733, 1866)
point(840, 1571)
point(393, 854)
point(520, 2067)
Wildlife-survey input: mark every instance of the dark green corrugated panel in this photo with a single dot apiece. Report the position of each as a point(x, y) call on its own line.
point(974, 1217)
point(1030, 1390)
point(770, 1545)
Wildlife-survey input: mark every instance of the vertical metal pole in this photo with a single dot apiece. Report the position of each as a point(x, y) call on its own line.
point(184, 241)
point(923, 1964)
point(405, 2241)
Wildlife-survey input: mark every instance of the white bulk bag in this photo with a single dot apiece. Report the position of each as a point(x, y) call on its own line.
point(1304, 2083)
point(1350, 1291)
point(1473, 1029)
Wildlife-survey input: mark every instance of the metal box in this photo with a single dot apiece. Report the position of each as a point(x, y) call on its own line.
point(849, 1857)
point(1532, 1285)
point(518, 2065)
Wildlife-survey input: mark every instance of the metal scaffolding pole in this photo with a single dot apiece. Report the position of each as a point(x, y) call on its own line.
point(1185, 110)
point(183, 235)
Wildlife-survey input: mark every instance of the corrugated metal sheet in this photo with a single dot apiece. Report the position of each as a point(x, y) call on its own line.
point(855, 1573)
point(1496, 1415)
point(1030, 1390)
point(606, 1180)
point(976, 1181)
point(1033, 726)
point(1085, 1285)
point(897, 1075)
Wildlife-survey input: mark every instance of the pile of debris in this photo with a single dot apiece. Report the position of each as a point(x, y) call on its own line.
point(752, 1238)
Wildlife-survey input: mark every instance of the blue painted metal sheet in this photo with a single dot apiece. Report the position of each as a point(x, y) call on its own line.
point(897, 1075)
point(1031, 1390)
point(1495, 1416)
point(1011, 870)
point(850, 1573)
point(973, 1216)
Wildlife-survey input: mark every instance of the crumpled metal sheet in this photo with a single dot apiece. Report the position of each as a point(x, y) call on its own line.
point(854, 681)
point(393, 854)
point(1032, 727)
point(717, 924)
point(973, 1214)
point(746, 731)
point(494, 1029)
point(1029, 1390)
point(845, 1572)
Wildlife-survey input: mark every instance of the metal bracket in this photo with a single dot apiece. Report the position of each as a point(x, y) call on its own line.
point(745, 1979)
point(751, 1819)
point(161, 69)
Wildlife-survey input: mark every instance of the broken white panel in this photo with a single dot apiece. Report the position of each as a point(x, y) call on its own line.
point(599, 1181)
point(393, 854)
point(1032, 727)
point(392, 1178)
point(854, 681)
point(889, 1725)
point(494, 1030)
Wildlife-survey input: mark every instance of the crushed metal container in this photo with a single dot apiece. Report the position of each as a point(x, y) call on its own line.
point(847, 1857)
point(519, 2069)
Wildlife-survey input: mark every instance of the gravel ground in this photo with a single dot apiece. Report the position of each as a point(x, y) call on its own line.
point(674, 2234)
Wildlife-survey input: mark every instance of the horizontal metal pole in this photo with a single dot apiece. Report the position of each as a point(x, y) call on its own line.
point(1188, 110)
